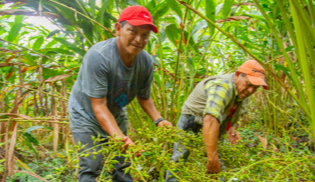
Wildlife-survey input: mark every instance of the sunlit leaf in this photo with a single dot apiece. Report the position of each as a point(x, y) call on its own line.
point(38, 43)
point(32, 128)
point(227, 8)
point(210, 13)
point(52, 33)
point(14, 31)
point(175, 7)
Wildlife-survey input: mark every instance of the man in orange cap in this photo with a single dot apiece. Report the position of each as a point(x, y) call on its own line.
point(215, 105)
point(113, 73)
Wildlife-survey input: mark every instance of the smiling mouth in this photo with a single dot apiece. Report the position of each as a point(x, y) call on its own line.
point(136, 46)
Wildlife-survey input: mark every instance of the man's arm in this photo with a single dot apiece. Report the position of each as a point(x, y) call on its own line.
point(210, 132)
point(107, 120)
point(149, 107)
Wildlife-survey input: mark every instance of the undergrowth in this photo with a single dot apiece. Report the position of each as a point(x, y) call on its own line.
point(282, 160)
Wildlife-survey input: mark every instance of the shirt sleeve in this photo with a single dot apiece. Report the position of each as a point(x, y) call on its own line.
point(94, 75)
point(219, 93)
point(145, 89)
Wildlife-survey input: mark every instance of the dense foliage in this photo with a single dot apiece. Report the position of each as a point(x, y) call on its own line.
point(196, 39)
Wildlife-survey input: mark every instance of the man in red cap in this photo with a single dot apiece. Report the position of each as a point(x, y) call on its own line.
point(215, 105)
point(113, 73)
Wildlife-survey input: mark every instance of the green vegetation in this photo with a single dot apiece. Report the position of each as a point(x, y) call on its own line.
point(197, 38)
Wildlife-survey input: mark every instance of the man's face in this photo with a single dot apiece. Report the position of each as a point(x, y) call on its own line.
point(132, 39)
point(244, 87)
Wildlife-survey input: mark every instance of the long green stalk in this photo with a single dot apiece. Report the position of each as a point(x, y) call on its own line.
point(176, 66)
point(183, 69)
point(312, 11)
point(302, 17)
point(164, 96)
point(303, 39)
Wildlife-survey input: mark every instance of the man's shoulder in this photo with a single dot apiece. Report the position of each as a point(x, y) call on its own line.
point(104, 47)
point(145, 55)
point(222, 82)
point(101, 51)
point(145, 60)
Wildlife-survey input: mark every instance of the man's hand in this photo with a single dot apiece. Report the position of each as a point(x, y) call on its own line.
point(233, 136)
point(127, 141)
point(213, 166)
point(165, 123)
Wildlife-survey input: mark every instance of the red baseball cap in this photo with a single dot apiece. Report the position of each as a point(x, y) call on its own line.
point(136, 16)
point(255, 72)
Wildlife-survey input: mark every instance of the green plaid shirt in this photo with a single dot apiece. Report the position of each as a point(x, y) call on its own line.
point(219, 94)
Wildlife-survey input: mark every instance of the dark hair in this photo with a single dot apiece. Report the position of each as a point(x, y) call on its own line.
point(123, 23)
point(243, 74)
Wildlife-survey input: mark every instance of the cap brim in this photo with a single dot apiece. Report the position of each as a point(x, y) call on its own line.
point(258, 81)
point(142, 22)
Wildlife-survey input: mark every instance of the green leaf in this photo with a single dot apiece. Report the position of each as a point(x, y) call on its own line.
point(227, 8)
point(146, 153)
point(191, 42)
point(64, 42)
point(69, 45)
point(33, 128)
point(57, 51)
point(285, 70)
point(101, 12)
point(48, 128)
point(157, 78)
point(30, 137)
point(92, 6)
point(19, 18)
point(53, 33)
point(14, 31)
point(29, 140)
point(51, 43)
point(38, 43)
point(132, 2)
point(199, 25)
point(173, 33)
point(210, 13)
point(88, 31)
point(160, 10)
point(175, 7)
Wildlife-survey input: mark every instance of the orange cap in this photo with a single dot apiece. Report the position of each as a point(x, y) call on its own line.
point(255, 72)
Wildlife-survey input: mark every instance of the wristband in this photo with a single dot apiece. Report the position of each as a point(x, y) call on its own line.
point(156, 122)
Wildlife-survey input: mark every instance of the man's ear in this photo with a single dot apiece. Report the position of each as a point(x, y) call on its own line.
point(117, 28)
point(237, 74)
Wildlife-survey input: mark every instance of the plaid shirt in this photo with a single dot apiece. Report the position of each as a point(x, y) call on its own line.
point(219, 94)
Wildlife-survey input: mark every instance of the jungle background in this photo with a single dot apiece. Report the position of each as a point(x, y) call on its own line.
point(196, 39)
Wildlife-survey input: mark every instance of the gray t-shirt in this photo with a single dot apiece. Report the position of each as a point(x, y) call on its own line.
point(103, 74)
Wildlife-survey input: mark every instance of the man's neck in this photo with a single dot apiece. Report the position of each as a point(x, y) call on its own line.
point(125, 56)
point(127, 59)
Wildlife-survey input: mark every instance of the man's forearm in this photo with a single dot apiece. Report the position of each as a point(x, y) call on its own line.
point(106, 119)
point(149, 107)
point(210, 135)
